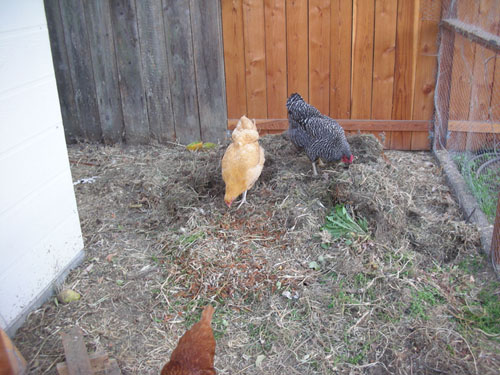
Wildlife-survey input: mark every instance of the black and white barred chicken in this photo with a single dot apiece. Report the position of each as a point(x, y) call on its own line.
point(320, 136)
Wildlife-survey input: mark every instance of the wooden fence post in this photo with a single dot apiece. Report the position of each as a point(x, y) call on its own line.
point(495, 241)
point(443, 84)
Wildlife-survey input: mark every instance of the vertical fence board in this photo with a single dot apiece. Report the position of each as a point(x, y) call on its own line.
point(182, 74)
point(495, 93)
point(443, 87)
point(155, 76)
point(425, 78)
point(461, 85)
point(319, 54)
point(297, 47)
point(484, 65)
point(69, 110)
point(340, 58)
point(384, 58)
point(403, 77)
point(128, 58)
point(461, 77)
point(276, 58)
point(483, 73)
point(234, 58)
point(77, 45)
point(255, 57)
point(98, 16)
point(362, 63)
point(209, 66)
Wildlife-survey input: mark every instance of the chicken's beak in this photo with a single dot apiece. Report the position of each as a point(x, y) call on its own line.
point(229, 203)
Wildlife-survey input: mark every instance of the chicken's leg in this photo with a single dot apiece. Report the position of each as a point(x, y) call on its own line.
point(243, 200)
point(315, 172)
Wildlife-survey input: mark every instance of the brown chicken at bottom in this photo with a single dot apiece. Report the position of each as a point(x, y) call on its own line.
point(194, 354)
point(242, 162)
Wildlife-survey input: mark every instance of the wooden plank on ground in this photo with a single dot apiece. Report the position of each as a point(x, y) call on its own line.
point(276, 58)
point(386, 12)
point(69, 111)
point(404, 71)
point(234, 57)
point(340, 58)
point(425, 77)
point(98, 16)
point(297, 47)
point(209, 66)
point(77, 359)
point(319, 54)
point(80, 67)
point(155, 76)
point(128, 58)
point(100, 362)
point(181, 66)
point(255, 57)
point(362, 61)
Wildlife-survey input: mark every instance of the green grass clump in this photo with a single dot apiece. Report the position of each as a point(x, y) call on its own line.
point(341, 224)
point(483, 187)
point(484, 312)
point(423, 299)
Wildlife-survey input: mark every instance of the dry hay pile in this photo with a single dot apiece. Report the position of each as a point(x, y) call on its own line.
point(161, 244)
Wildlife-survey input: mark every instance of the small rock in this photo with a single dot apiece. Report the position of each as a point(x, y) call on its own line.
point(68, 295)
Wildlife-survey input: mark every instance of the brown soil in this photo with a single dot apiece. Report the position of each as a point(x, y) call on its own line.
point(161, 244)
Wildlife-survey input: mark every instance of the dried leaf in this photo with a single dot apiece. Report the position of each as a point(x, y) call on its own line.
point(194, 146)
point(259, 360)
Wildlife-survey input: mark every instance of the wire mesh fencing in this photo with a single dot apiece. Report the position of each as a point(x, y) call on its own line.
point(467, 101)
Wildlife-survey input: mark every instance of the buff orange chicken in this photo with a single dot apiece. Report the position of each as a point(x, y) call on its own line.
point(242, 162)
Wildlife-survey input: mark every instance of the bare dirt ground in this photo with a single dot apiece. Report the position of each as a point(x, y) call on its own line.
point(409, 298)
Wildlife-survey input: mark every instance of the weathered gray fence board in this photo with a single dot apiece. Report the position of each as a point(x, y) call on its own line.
point(209, 65)
point(181, 65)
point(128, 57)
point(77, 46)
point(69, 111)
point(155, 69)
point(98, 16)
point(138, 71)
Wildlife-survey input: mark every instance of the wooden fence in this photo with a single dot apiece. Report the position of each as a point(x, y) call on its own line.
point(469, 80)
point(370, 64)
point(138, 71)
point(162, 69)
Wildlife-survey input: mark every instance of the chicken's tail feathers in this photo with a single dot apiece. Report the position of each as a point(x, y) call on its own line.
point(207, 314)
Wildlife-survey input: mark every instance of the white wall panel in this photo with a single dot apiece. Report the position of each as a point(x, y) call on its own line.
point(40, 236)
point(21, 14)
point(31, 165)
point(41, 116)
point(25, 57)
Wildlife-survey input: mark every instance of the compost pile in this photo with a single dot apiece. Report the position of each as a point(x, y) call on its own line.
point(289, 297)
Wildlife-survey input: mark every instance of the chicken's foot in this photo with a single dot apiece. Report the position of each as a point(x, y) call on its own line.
point(243, 200)
point(315, 172)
